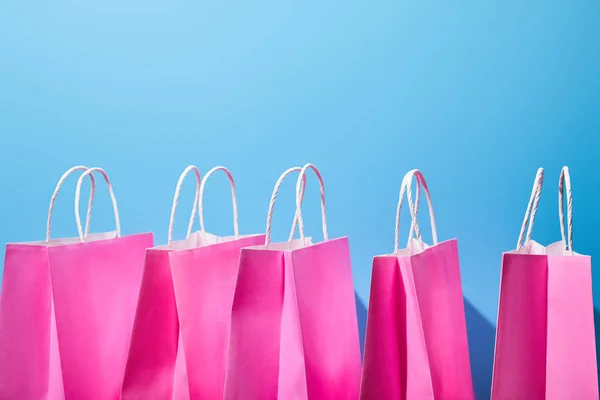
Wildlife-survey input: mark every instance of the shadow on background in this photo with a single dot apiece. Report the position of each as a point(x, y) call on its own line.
point(361, 313)
point(482, 336)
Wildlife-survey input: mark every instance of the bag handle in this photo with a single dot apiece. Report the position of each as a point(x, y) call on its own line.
point(182, 177)
point(272, 204)
point(398, 210)
point(61, 181)
point(407, 181)
point(233, 197)
point(299, 184)
point(110, 192)
point(564, 181)
point(532, 207)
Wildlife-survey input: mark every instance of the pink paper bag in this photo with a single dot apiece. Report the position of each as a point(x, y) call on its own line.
point(156, 365)
point(294, 333)
point(204, 279)
point(95, 286)
point(545, 339)
point(29, 357)
point(416, 339)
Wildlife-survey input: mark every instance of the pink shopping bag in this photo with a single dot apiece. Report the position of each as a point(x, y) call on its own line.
point(294, 333)
point(545, 339)
point(156, 365)
point(29, 357)
point(416, 339)
point(95, 286)
point(204, 280)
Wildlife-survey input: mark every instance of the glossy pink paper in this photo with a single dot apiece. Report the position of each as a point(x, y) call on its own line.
point(416, 340)
point(545, 340)
point(204, 281)
point(294, 333)
point(95, 288)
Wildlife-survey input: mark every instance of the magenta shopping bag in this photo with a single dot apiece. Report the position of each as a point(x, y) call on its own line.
point(156, 365)
point(95, 286)
point(294, 332)
point(204, 280)
point(29, 357)
point(416, 339)
point(545, 339)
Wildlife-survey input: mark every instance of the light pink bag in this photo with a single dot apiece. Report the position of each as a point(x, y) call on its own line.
point(294, 333)
point(29, 357)
point(416, 339)
point(545, 339)
point(95, 286)
point(204, 280)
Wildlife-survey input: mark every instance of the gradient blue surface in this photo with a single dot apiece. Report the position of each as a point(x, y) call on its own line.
point(476, 95)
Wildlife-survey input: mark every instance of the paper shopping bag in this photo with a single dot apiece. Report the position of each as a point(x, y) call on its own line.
point(294, 333)
point(95, 286)
point(158, 366)
point(29, 357)
point(204, 280)
point(416, 338)
point(545, 339)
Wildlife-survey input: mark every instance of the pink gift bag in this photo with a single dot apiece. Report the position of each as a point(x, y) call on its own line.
point(294, 333)
point(29, 357)
point(204, 280)
point(416, 339)
point(545, 339)
point(95, 285)
point(156, 365)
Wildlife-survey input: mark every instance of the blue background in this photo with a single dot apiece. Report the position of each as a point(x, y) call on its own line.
point(475, 94)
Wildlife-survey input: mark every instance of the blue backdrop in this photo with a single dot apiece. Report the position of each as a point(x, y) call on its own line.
point(477, 95)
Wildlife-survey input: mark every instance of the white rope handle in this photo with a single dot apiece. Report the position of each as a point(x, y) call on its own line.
point(176, 201)
point(61, 181)
point(233, 197)
point(413, 210)
point(112, 197)
point(299, 184)
point(532, 208)
point(398, 210)
point(420, 182)
point(565, 181)
point(272, 204)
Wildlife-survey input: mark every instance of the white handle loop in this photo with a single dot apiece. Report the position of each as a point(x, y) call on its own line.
point(61, 181)
point(565, 181)
point(398, 210)
point(272, 204)
point(176, 200)
point(532, 208)
point(413, 210)
point(233, 197)
point(112, 197)
point(299, 184)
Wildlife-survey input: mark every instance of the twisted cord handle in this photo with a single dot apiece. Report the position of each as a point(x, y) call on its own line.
point(532, 208)
point(272, 204)
point(413, 208)
point(233, 197)
point(112, 198)
point(176, 201)
point(61, 181)
point(565, 182)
